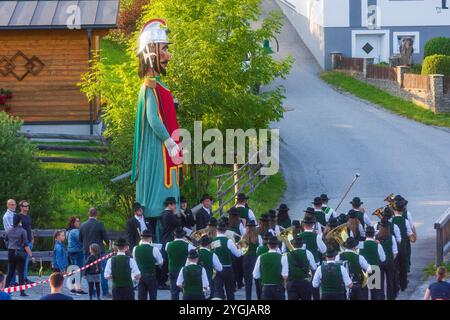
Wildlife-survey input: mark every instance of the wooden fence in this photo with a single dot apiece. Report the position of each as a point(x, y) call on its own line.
point(416, 81)
point(381, 72)
point(48, 255)
point(442, 227)
point(352, 64)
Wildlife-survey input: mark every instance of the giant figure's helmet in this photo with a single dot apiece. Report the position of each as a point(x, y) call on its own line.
point(154, 32)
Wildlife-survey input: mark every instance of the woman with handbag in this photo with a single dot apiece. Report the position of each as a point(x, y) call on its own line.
point(18, 250)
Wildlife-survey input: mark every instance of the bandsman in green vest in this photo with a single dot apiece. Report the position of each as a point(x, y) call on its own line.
point(283, 219)
point(301, 266)
point(356, 264)
point(360, 212)
point(402, 204)
point(327, 209)
point(122, 270)
point(263, 225)
point(177, 252)
point(395, 230)
point(355, 228)
point(373, 251)
point(313, 242)
point(310, 214)
point(235, 224)
point(389, 244)
point(147, 257)
point(274, 228)
point(193, 279)
point(404, 248)
point(210, 261)
point(259, 251)
point(273, 272)
point(242, 206)
point(331, 242)
point(332, 278)
point(252, 241)
point(321, 217)
point(225, 249)
point(297, 230)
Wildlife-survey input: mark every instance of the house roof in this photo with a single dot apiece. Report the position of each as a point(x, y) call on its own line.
point(58, 14)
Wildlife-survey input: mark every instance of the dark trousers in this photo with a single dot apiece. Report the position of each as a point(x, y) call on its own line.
point(299, 290)
point(315, 291)
point(199, 296)
point(15, 262)
point(224, 280)
point(357, 292)
point(163, 271)
point(123, 293)
point(147, 287)
point(249, 265)
point(402, 270)
point(333, 296)
point(258, 286)
point(91, 289)
point(272, 292)
point(174, 289)
point(238, 270)
point(388, 281)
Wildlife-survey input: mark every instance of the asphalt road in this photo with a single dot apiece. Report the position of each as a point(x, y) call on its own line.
point(329, 136)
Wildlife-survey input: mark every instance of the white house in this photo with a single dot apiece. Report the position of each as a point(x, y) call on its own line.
point(366, 28)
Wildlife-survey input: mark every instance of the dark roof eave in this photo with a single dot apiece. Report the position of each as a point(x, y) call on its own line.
point(96, 26)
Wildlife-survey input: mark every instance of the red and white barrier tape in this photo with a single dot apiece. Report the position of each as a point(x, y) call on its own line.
point(28, 286)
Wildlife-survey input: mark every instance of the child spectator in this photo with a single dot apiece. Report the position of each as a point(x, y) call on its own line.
point(93, 273)
point(59, 262)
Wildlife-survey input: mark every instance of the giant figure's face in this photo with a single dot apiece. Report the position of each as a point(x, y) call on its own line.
point(158, 55)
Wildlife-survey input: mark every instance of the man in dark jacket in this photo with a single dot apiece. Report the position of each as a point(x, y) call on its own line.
point(186, 215)
point(93, 231)
point(204, 214)
point(135, 226)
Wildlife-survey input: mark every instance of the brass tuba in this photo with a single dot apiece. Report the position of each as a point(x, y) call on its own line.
point(197, 235)
point(243, 245)
point(339, 234)
point(286, 235)
point(379, 212)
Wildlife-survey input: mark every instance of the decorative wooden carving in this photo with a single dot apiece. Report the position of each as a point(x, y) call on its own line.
point(32, 65)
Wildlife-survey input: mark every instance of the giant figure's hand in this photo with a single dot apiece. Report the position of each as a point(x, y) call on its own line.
point(172, 147)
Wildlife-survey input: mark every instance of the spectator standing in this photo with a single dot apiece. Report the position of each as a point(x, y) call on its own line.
point(24, 207)
point(59, 261)
point(93, 231)
point(203, 215)
point(186, 215)
point(440, 290)
point(93, 273)
point(17, 251)
point(56, 285)
point(9, 214)
point(3, 295)
point(75, 249)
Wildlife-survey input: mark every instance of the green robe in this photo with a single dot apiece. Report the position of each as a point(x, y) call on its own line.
point(148, 170)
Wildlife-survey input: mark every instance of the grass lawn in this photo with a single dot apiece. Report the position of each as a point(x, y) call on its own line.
point(382, 98)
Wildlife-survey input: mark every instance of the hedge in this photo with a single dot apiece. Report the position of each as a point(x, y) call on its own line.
point(439, 45)
point(436, 64)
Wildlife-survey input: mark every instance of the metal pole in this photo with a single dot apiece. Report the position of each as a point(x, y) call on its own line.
point(348, 190)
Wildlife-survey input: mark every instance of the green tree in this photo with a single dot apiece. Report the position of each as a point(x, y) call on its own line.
point(21, 177)
point(209, 75)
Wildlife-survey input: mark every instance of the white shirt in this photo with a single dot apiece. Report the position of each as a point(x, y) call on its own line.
point(318, 276)
point(180, 279)
point(207, 210)
point(332, 213)
point(141, 222)
point(362, 232)
point(190, 246)
point(284, 266)
point(133, 266)
point(309, 256)
point(409, 217)
point(241, 228)
point(156, 253)
point(231, 246)
point(275, 231)
point(381, 253)
point(394, 246)
point(321, 246)
point(8, 220)
point(251, 215)
point(362, 261)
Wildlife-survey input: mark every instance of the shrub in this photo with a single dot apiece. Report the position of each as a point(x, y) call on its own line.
point(436, 64)
point(130, 15)
point(21, 176)
point(439, 45)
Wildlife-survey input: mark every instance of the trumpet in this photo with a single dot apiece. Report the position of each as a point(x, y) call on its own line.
point(379, 212)
point(286, 236)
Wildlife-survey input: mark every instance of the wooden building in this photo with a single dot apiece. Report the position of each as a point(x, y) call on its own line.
point(45, 46)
